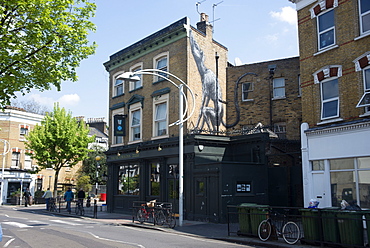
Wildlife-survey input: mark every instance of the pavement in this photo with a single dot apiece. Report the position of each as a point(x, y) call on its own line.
point(190, 228)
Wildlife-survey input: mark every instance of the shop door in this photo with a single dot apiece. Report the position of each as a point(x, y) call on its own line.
point(173, 187)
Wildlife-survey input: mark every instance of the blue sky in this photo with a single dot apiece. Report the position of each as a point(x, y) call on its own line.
point(252, 30)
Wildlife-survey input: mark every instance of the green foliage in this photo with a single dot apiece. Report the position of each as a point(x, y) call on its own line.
point(42, 43)
point(39, 193)
point(60, 141)
point(90, 165)
point(84, 183)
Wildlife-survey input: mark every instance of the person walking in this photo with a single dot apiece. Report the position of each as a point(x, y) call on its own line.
point(27, 197)
point(81, 196)
point(68, 197)
point(47, 195)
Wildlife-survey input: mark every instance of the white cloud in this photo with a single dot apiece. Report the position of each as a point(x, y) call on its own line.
point(287, 14)
point(69, 100)
point(42, 100)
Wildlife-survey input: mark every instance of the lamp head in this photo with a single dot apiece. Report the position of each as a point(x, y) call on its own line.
point(128, 76)
point(97, 158)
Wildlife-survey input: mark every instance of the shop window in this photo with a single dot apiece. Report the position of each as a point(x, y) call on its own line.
point(318, 165)
point(128, 180)
point(200, 187)
point(155, 179)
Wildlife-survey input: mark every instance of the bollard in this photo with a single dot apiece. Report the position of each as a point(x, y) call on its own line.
point(88, 202)
point(95, 209)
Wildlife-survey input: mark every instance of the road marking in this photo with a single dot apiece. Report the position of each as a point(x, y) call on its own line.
point(17, 224)
point(66, 222)
point(118, 241)
point(8, 243)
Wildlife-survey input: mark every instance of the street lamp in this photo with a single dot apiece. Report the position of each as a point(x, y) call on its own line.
point(97, 159)
point(133, 76)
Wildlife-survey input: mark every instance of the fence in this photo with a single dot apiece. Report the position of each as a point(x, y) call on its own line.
point(329, 226)
point(90, 206)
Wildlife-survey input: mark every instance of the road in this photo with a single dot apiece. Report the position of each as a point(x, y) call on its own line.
point(28, 227)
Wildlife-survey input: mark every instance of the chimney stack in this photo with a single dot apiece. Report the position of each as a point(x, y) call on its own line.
point(204, 24)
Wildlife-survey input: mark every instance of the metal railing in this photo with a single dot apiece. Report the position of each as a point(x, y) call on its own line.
point(330, 226)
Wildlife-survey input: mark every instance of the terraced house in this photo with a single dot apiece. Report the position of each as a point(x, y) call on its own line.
point(334, 41)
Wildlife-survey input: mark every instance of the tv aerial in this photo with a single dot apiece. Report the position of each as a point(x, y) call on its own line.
point(197, 5)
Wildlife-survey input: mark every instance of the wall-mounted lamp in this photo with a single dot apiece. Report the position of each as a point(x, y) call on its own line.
point(159, 148)
point(200, 147)
point(118, 154)
point(272, 69)
point(137, 150)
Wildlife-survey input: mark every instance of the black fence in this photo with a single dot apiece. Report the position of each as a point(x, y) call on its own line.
point(321, 227)
point(90, 207)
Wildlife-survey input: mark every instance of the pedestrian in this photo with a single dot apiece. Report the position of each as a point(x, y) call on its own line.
point(47, 195)
point(68, 197)
point(81, 196)
point(27, 197)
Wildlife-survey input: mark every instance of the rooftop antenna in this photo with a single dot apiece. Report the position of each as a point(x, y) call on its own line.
point(197, 5)
point(213, 21)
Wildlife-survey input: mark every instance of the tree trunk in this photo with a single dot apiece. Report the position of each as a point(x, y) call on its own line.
point(56, 175)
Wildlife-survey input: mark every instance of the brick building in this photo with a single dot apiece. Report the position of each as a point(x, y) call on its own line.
point(15, 123)
point(334, 46)
point(219, 169)
point(267, 93)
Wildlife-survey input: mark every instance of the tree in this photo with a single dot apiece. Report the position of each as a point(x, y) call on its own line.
point(90, 166)
point(60, 141)
point(84, 183)
point(42, 43)
point(31, 106)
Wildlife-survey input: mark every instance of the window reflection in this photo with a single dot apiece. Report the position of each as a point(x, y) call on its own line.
point(128, 180)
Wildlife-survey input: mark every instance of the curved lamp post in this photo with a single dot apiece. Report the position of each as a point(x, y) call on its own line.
point(133, 76)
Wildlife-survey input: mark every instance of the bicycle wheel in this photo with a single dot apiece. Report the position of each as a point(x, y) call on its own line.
point(171, 221)
point(77, 210)
point(264, 230)
point(140, 215)
point(291, 232)
point(160, 219)
point(82, 211)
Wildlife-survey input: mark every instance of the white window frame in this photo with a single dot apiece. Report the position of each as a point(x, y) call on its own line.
point(250, 89)
point(278, 87)
point(133, 108)
point(134, 85)
point(16, 159)
point(319, 33)
point(361, 16)
point(158, 58)
point(157, 101)
point(115, 86)
point(27, 161)
point(116, 140)
point(364, 101)
point(332, 99)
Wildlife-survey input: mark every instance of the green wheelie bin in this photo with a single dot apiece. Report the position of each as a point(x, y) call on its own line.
point(330, 225)
point(351, 227)
point(258, 213)
point(311, 224)
point(245, 218)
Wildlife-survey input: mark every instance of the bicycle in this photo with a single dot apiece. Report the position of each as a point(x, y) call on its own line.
point(79, 208)
point(144, 213)
point(52, 205)
point(289, 230)
point(164, 215)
